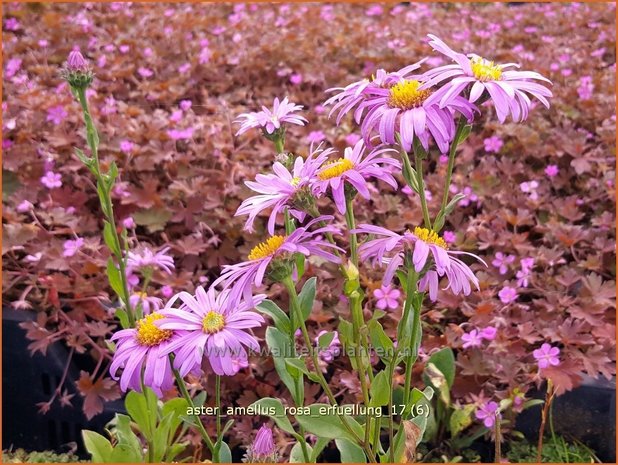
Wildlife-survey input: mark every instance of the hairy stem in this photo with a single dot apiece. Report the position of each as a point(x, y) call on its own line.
point(418, 162)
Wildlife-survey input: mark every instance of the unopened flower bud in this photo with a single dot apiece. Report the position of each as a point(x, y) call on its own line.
point(77, 71)
point(263, 449)
point(77, 62)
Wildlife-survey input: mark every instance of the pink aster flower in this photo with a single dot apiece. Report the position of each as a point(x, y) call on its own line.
point(551, 170)
point(56, 114)
point(329, 353)
point(546, 356)
point(149, 303)
point(502, 262)
point(277, 250)
point(487, 413)
point(387, 297)
point(148, 258)
point(507, 295)
point(472, 339)
point(143, 346)
point(509, 90)
point(210, 325)
point(71, 247)
point(425, 247)
point(271, 120)
point(406, 109)
point(493, 144)
point(355, 168)
point(280, 189)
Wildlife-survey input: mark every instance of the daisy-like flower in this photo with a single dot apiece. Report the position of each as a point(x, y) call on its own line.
point(355, 168)
point(148, 258)
point(422, 245)
point(508, 89)
point(149, 303)
point(210, 325)
point(271, 120)
point(141, 346)
point(547, 356)
point(406, 108)
point(281, 189)
point(355, 93)
point(276, 252)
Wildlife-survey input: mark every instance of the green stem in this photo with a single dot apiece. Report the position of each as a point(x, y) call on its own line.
point(316, 365)
point(279, 144)
point(418, 162)
point(461, 124)
point(183, 390)
point(107, 204)
point(349, 218)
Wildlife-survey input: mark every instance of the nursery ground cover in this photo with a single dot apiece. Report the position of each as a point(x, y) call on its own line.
point(539, 198)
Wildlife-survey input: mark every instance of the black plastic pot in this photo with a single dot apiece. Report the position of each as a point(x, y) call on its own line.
point(587, 414)
point(27, 381)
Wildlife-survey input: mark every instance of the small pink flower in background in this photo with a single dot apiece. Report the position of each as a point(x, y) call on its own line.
point(12, 66)
point(493, 144)
point(176, 116)
point(51, 180)
point(507, 295)
point(184, 68)
point(315, 137)
point(487, 413)
point(148, 52)
point(488, 333)
point(12, 24)
point(352, 139)
point(374, 10)
point(145, 72)
point(552, 170)
point(443, 159)
point(24, 206)
point(34, 258)
point(529, 188)
point(329, 353)
point(319, 109)
point(56, 114)
point(502, 261)
point(71, 247)
point(449, 237)
point(129, 222)
point(546, 356)
point(126, 146)
point(387, 297)
point(179, 134)
point(586, 88)
point(167, 291)
point(472, 339)
point(124, 49)
point(469, 198)
point(70, 210)
point(566, 72)
point(407, 190)
point(296, 78)
point(524, 274)
point(185, 105)
point(148, 258)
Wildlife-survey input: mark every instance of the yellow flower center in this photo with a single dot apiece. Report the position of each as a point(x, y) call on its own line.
point(335, 168)
point(267, 248)
point(149, 334)
point(406, 95)
point(213, 322)
point(429, 236)
point(485, 70)
point(295, 181)
point(141, 295)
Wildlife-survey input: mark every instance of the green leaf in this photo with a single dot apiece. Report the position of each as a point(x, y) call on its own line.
point(123, 453)
point(296, 454)
point(154, 219)
point(306, 297)
point(281, 320)
point(461, 418)
point(276, 411)
point(121, 314)
point(143, 410)
point(532, 403)
point(325, 339)
point(322, 423)
point(113, 275)
point(379, 390)
point(131, 450)
point(10, 184)
point(350, 452)
point(280, 349)
point(381, 342)
point(346, 333)
point(97, 446)
point(225, 454)
point(437, 379)
point(174, 407)
point(444, 360)
point(463, 135)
